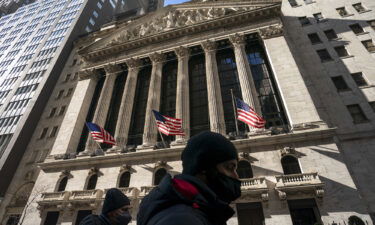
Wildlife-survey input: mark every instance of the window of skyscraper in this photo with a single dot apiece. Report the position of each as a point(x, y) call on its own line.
point(369, 45)
point(324, 55)
point(357, 113)
point(359, 7)
point(359, 79)
point(314, 38)
point(356, 28)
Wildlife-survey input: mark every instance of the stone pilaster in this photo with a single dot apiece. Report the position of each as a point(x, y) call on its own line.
point(127, 102)
point(297, 100)
point(103, 105)
point(153, 102)
point(70, 131)
point(182, 94)
point(215, 103)
point(248, 89)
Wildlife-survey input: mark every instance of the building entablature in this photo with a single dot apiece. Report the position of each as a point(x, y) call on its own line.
point(180, 21)
point(264, 141)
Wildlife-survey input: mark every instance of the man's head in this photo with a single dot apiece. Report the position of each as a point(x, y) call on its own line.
point(213, 158)
point(117, 207)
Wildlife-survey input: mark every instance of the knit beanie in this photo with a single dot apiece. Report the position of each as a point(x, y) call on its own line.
point(114, 199)
point(205, 150)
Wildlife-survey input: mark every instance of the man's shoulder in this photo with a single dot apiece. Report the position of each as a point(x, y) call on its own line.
point(180, 214)
point(92, 220)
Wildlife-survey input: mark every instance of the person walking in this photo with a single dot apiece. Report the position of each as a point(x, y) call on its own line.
point(116, 210)
point(202, 193)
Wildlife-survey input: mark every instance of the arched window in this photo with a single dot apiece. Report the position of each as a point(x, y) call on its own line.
point(290, 165)
point(124, 179)
point(62, 184)
point(244, 169)
point(159, 174)
point(91, 183)
point(355, 220)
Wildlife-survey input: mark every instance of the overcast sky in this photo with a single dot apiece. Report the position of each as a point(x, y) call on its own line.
point(169, 2)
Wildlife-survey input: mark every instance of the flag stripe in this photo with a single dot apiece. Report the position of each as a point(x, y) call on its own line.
point(99, 134)
point(247, 115)
point(168, 125)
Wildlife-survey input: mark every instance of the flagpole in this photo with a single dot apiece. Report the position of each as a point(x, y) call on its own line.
point(100, 147)
point(235, 112)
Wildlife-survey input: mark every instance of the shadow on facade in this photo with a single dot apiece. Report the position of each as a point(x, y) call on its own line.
point(318, 78)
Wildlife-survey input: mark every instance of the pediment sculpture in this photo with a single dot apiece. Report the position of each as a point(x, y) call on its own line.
point(176, 18)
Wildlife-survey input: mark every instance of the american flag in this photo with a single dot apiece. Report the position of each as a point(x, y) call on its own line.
point(247, 115)
point(99, 134)
point(168, 125)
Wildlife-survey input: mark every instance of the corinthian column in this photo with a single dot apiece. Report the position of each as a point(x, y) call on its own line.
point(182, 94)
point(103, 105)
point(127, 102)
point(153, 102)
point(215, 103)
point(248, 90)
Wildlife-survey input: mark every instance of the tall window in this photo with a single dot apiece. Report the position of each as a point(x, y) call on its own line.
point(81, 215)
point(168, 90)
point(139, 108)
point(124, 180)
point(199, 120)
point(90, 115)
point(244, 169)
point(290, 165)
point(91, 183)
point(51, 218)
point(159, 174)
point(62, 184)
point(13, 220)
point(357, 114)
point(304, 212)
point(250, 213)
point(228, 80)
point(272, 109)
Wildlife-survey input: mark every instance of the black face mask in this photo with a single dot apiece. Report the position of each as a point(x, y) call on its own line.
point(123, 219)
point(226, 188)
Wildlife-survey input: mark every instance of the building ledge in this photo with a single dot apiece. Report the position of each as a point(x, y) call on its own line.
point(300, 133)
point(254, 188)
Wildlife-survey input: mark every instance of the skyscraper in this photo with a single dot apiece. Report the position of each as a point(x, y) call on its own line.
point(35, 42)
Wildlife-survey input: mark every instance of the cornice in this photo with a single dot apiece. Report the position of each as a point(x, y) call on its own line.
point(243, 145)
point(272, 11)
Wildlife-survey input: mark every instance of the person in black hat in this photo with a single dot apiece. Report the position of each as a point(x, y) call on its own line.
point(202, 193)
point(115, 210)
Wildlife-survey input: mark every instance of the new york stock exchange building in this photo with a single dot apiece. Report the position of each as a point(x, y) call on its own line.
point(183, 61)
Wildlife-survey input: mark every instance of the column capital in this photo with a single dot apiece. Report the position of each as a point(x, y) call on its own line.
point(271, 31)
point(133, 63)
point(112, 68)
point(237, 39)
point(89, 74)
point(209, 46)
point(157, 57)
point(182, 52)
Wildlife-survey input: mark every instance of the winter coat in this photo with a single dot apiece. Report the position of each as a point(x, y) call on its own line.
point(95, 220)
point(183, 200)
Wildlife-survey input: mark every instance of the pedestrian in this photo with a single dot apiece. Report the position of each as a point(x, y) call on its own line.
point(116, 210)
point(202, 193)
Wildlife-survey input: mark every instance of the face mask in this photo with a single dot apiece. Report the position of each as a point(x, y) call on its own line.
point(226, 188)
point(123, 219)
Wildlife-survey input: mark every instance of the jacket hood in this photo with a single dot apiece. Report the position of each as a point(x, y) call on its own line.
point(184, 189)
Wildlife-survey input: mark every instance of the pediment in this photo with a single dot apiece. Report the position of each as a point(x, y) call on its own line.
point(175, 17)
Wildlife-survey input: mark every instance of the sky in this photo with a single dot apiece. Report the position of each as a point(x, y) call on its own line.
point(169, 2)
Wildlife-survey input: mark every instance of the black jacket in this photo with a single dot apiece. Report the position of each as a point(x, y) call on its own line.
point(94, 220)
point(183, 200)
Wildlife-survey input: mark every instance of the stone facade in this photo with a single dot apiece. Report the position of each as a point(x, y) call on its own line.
point(331, 177)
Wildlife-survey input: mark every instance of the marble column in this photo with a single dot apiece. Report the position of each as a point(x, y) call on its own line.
point(215, 103)
point(127, 102)
point(103, 105)
point(153, 101)
point(182, 93)
point(69, 135)
point(248, 89)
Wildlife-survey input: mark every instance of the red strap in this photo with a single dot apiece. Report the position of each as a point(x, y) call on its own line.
point(185, 188)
